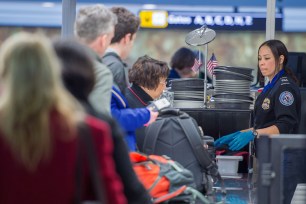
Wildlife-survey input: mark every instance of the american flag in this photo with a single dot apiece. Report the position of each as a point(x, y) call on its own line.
point(196, 66)
point(211, 64)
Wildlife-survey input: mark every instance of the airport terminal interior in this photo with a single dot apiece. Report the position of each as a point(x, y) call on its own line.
point(231, 95)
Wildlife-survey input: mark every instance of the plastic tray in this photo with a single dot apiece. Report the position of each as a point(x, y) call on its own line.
point(228, 165)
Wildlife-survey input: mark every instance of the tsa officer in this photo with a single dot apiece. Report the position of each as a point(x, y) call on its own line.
point(277, 109)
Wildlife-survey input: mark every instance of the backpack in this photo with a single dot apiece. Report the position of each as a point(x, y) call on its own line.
point(178, 136)
point(165, 179)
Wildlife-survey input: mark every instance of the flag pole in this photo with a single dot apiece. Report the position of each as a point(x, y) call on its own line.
point(198, 37)
point(205, 75)
point(212, 73)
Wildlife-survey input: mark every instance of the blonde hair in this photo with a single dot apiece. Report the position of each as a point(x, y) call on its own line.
point(32, 89)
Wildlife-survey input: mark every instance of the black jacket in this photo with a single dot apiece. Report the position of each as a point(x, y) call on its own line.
point(279, 105)
point(138, 98)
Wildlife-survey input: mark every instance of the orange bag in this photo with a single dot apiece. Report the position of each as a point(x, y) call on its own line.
point(164, 178)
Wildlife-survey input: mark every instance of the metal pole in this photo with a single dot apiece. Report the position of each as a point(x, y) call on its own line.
point(270, 19)
point(205, 75)
point(68, 17)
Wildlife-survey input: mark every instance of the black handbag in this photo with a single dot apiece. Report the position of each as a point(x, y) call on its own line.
point(86, 149)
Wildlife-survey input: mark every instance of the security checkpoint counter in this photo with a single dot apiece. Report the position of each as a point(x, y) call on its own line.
point(219, 122)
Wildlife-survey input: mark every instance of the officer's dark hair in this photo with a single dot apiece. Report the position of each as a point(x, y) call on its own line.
point(147, 72)
point(182, 58)
point(77, 68)
point(127, 23)
point(278, 48)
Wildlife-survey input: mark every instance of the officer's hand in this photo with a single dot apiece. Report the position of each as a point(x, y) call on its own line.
point(241, 140)
point(225, 139)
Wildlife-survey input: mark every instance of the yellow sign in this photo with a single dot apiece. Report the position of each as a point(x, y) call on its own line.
point(153, 19)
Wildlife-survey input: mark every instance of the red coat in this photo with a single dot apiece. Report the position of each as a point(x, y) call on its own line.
point(54, 181)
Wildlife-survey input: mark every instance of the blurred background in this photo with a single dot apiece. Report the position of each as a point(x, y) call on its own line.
point(240, 25)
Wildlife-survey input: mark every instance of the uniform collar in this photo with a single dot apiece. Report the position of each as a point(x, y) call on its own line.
point(274, 80)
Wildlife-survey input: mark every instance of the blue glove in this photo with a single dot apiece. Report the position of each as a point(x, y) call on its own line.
point(242, 139)
point(225, 139)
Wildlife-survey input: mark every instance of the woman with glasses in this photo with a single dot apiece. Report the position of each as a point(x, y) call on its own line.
point(148, 78)
point(148, 84)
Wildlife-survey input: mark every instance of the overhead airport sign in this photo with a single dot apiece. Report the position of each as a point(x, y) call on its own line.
point(153, 19)
point(221, 21)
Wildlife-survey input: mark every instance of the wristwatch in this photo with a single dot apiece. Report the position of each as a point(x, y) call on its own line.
point(255, 133)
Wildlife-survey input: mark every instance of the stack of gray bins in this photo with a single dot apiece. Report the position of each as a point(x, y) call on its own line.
point(188, 93)
point(232, 87)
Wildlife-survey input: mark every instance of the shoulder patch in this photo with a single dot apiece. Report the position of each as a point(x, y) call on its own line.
point(286, 98)
point(284, 79)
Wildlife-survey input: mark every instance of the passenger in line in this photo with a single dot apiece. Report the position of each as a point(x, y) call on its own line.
point(38, 130)
point(79, 78)
point(181, 64)
point(277, 109)
point(121, 46)
point(94, 27)
point(130, 119)
point(148, 78)
point(148, 81)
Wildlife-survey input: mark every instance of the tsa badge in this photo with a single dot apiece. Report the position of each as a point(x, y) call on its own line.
point(266, 104)
point(286, 98)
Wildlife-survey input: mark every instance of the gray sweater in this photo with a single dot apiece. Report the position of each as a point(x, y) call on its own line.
point(100, 97)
